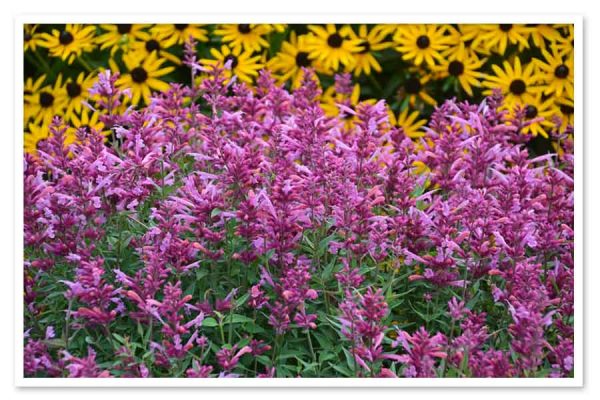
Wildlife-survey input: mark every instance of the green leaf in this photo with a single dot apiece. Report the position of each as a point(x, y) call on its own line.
point(341, 369)
point(55, 343)
point(237, 319)
point(209, 322)
point(239, 302)
point(119, 338)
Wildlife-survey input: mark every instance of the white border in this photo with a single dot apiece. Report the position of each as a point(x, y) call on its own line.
point(21, 381)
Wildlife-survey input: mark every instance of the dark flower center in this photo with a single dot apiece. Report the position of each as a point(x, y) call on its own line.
point(123, 28)
point(152, 45)
point(244, 28)
point(531, 112)
point(27, 36)
point(139, 74)
point(423, 42)
point(517, 87)
point(456, 68)
point(234, 60)
point(562, 71)
point(65, 38)
point(335, 40)
point(412, 86)
point(302, 59)
point(567, 110)
point(73, 89)
point(505, 27)
point(46, 99)
point(366, 47)
point(181, 27)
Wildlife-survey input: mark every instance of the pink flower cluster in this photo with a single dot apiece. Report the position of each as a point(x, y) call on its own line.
point(224, 228)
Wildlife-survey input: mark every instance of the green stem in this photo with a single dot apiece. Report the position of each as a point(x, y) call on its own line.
point(221, 331)
point(311, 348)
point(67, 318)
point(43, 62)
point(84, 63)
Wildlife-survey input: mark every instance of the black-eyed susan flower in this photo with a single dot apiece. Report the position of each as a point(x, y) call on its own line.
point(331, 101)
point(180, 33)
point(414, 89)
point(70, 42)
point(142, 75)
point(421, 43)
point(465, 71)
point(246, 36)
point(31, 39)
point(155, 43)
point(543, 33)
point(119, 36)
point(87, 120)
point(497, 37)
point(242, 63)
point(42, 105)
point(332, 47)
point(557, 73)
point(565, 43)
point(287, 64)
point(76, 92)
point(370, 41)
point(33, 135)
point(566, 111)
point(517, 83)
point(461, 43)
point(31, 90)
point(540, 108)
point(410, 122)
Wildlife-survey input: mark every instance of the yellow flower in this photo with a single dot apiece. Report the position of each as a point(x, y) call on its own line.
point(540, 108)
point(331, 47)
point(31, 39)
point(31, 91)
point(35, 134)
point(278, 27)
point(246, 36)
point(69, 43)
point(557, 73)
point(565, 43)
point(77, 91)
point(180, 33)
point(566, 111)
point(421, 43)
point(119, 36)
point(461, 43)
point(287, 64)
point(154, 42)
point(370, 41)
point(331, 99)
point(87, 120)
point(142, 75)
point(542, 33)
point(243, 64)
point(43, 104)
point(465, 71)
point(410, 123)
point(497, 37)
point(414, 88)
point(518, 84)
